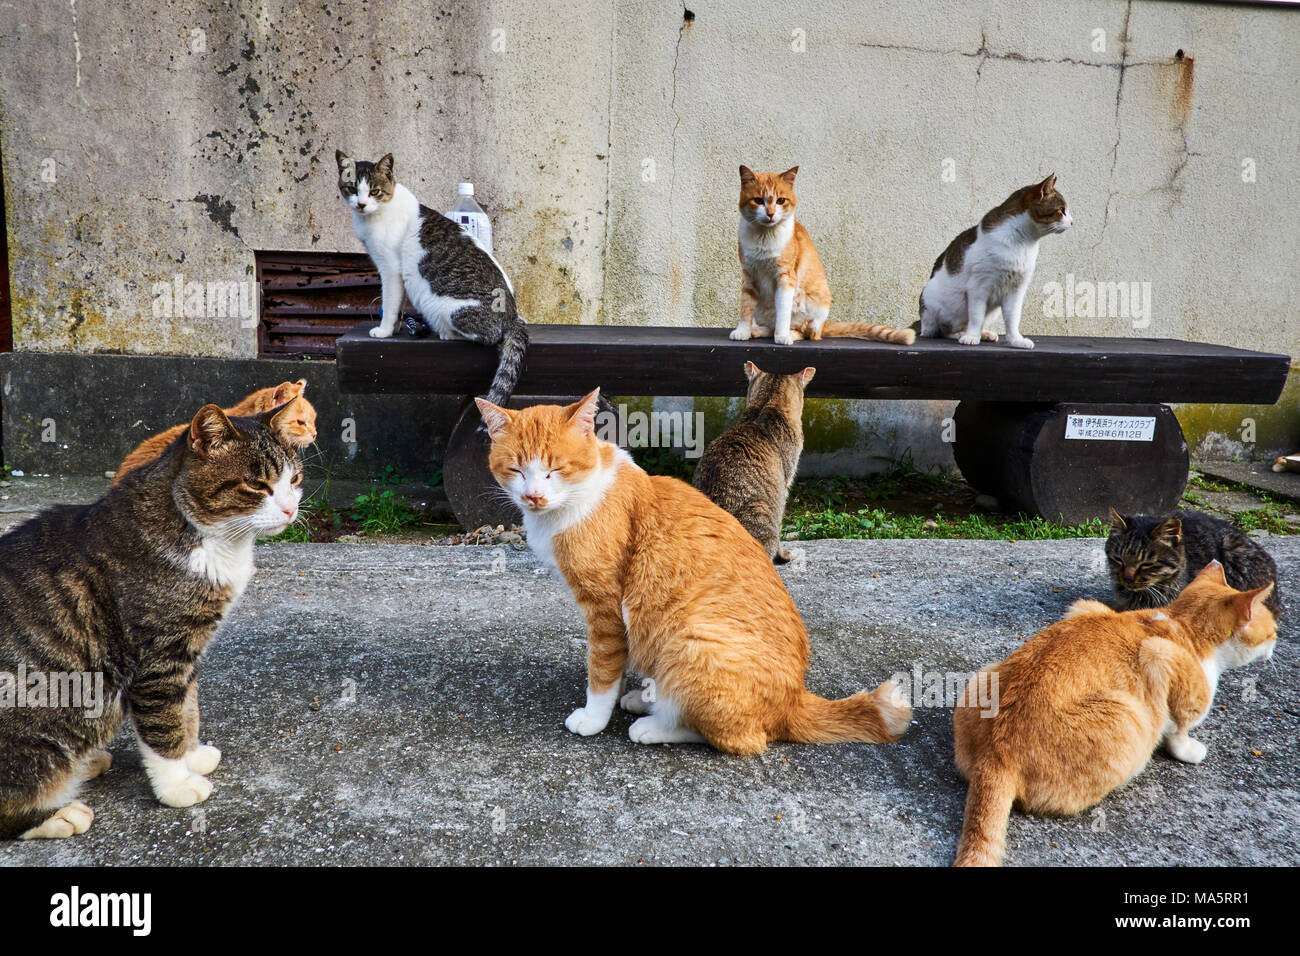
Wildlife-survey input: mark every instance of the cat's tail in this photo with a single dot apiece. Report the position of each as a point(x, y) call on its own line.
point(514, 343)
point(880, 716)
point(988, 806)
point(858, 330)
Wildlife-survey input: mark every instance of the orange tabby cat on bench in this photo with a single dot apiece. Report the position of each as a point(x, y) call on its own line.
point(783, 290)
point(671, 582)
point(1082, 705)
point(298, 427)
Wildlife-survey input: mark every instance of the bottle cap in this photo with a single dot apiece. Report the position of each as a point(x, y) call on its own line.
point(464, 189)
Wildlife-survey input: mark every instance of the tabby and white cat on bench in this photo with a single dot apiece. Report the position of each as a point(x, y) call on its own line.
point(460, 290)
point(988, 267)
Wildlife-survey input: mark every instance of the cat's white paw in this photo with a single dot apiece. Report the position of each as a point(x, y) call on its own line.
point(740, 334)
point(783, 338)
point(969, 338)
point(634, 702)
point(1020, 342)
point(67, 821)
point(646, 730)
point(203, 759)
point(187, 792)
point(1187, 750)
point(583, 721)
point(378, 333)
point(656, 730)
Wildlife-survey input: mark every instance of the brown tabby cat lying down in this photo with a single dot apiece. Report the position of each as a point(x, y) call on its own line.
point(1082, 705)
point(671, 582)
point(299, 423)
point(128, 591)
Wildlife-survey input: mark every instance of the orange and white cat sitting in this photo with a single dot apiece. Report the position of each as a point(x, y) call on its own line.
point(298, 428)
point(671, 582)
point(784, 292)
point(1083, 704)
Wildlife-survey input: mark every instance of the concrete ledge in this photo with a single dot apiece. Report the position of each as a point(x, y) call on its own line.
point(454, 750)
point(102, 406)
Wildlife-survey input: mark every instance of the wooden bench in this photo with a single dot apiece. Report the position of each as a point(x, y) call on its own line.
point(1065, 430)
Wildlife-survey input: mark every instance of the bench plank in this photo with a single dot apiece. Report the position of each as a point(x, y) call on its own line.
point(647, 360)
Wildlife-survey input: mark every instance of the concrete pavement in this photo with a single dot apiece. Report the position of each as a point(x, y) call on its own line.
point(404, 705)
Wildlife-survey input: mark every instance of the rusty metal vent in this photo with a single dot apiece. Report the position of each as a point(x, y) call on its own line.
point(309, 299)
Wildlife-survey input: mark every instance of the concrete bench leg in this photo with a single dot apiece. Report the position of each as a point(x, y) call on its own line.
point(1054, 460)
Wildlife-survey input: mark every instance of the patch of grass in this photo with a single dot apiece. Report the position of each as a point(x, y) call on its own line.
point(1271, 519)
point(1201, 483)
point(383, 512)
point(879, 523)
point(665, 461)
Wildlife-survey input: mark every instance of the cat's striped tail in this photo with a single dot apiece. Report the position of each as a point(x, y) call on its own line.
point(880, 716)
point(514, 343)
point(988, 805)
point(857, 330)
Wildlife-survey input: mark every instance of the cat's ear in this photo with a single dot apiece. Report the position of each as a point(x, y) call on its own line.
point(287, 391)
point(344, 161)
point(582, 413)
point(494, 417)
point(1248, 603)
point(277, 419)
point(1118, 521)
point(209, 430)
point(747, 175)
point(1168, 532)
point(1212, 572)
point(752, 371)
point(385, 165)
point(806, 376)
point(1046, 187)
point(789, 174)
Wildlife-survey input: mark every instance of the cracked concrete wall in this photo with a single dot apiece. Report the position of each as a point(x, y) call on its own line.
point(604, 140)
point(886, 97)
point(143, 141)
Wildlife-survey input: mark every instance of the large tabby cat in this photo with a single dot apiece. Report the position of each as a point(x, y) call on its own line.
point(1152, 557)
point(1082, 705)
point(459, 289)
point(748, 469)
point(672, 583)
point(130, 589)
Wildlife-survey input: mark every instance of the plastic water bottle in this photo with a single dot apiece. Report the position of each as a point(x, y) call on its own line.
point(469, 215)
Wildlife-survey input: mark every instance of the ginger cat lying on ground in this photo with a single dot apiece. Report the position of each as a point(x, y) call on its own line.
point(298, 427)
point(672, 582)
point(1084, 703)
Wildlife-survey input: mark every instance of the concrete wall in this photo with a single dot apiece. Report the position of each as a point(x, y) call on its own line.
point(143, 141)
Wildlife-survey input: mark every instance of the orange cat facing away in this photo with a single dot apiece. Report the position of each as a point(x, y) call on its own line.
point(1083, 704)
point(671, 582)
point(298, 427)
point(783, 291)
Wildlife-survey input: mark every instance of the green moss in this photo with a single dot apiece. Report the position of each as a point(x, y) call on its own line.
point(1275, 426)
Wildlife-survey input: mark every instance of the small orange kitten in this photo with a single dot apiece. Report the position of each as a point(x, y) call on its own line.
point(1083, 704)
point(674, 584)
point(784, 292)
